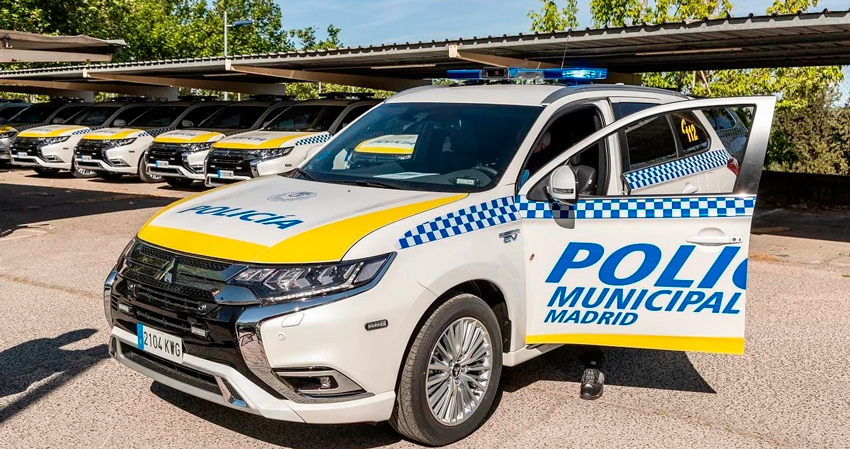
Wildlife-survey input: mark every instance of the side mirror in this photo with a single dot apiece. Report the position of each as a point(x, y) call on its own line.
point(266, 123)
point(119, 123)
point(562, 185)
point(58, 121)
point(187, 123)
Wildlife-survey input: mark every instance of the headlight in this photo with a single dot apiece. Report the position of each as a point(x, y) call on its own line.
point(8, 134)
point(193, 147)
point(44, 141)
point(273, 285)
point(120, 142)
point(271, 152)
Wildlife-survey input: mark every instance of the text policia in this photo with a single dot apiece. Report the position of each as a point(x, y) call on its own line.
point(617, 304)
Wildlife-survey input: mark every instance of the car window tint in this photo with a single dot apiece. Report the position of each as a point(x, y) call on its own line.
point(67, 112)
point(650, 142)
point(628, 108)
point(200, 113)
point(130, 114)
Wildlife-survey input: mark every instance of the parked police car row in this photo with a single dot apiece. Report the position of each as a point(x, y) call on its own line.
point(444, 234)
point(192, 139)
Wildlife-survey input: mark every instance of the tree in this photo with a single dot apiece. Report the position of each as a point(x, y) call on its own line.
point(550, 19)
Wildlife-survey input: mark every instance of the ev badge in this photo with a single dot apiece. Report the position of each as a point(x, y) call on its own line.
point(292, 196)
point(167, 273)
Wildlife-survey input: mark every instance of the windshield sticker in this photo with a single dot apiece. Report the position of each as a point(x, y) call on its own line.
point(466, 181)
point(405, 175)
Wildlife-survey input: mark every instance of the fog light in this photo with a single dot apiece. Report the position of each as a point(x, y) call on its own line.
point(325, 382)
point(118, 163)
point(125, 308)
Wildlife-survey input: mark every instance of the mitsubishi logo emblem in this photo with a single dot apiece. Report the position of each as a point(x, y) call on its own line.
point(167, 273)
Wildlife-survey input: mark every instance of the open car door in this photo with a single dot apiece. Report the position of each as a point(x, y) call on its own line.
point(663, 265)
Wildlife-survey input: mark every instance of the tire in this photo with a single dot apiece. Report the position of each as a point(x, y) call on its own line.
point(46, 171)
point(413, 416)
point(179, 182)
point(109, 176)
point(144, 174)
point(81, 172)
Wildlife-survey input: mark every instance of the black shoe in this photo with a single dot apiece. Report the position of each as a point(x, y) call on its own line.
point(592, 381)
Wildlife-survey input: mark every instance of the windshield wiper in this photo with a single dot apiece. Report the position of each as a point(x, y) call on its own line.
point(370, 183)
point(303, 173)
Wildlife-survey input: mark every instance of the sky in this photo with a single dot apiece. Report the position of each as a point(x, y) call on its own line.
point(373, 22)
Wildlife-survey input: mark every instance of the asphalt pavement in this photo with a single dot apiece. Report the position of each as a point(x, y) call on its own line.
point(59, 237)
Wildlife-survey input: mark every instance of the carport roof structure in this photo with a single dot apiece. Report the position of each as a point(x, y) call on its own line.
point(805, 39)
point(19, 46)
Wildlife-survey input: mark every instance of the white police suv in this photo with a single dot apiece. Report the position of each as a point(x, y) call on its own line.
point(50, 148)
point(120, 150)
point(179, 156)
point(55, 111)
point(517, 218)
point(285, 140)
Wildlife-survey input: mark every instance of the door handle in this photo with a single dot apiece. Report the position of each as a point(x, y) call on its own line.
point(714, 240)
point(689, 189)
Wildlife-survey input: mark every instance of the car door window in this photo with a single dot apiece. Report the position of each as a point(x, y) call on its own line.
point(355, 112)
point(650, 142)
point(690, 133)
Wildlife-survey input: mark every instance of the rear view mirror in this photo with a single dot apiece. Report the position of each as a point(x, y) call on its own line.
point(187, 123)
point(562, 185)
point(119, 123)
point(58, 121)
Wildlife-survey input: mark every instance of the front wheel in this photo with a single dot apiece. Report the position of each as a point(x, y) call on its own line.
point(46, 171)
point(179, 182)
point(451, 374)
point(144, 174)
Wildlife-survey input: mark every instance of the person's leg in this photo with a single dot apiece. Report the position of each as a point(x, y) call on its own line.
point(593, 379)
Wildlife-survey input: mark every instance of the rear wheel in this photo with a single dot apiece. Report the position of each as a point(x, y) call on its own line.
point(144, 174)
point(179, 182)
point(46, 171)
point(451, 374)
point(82, 172)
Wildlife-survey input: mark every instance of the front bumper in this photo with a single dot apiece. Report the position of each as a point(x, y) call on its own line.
point(248, 396)
point(177, 163)
point(5, 153)
point(56, 156)
point(98, 156)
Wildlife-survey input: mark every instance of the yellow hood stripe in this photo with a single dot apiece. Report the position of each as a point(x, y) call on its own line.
point(200, 138)
point(118, 135)
point(725, 345)
point(54, 133)
point(333, 240)
point(6, 128)
point(271, 143)
point(325, 243)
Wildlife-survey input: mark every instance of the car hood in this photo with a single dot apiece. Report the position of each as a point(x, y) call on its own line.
point(189, 136)
point(123, 133)
point(54, 131)
point(255, 140)
point(283, 220)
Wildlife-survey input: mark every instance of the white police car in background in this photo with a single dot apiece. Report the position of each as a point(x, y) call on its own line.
point(55, 111)
point(398, 290)
point(49, 149)
point(285, 140)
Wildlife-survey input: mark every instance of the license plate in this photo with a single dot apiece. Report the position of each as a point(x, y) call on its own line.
point(162, 163)
point(85, 158)
point(226, 174)
point(159, 343)
point(22, 154)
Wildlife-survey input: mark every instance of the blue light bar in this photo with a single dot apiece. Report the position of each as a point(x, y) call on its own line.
point(564, 74)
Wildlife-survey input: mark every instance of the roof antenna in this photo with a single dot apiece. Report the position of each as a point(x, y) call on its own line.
point(564, 57)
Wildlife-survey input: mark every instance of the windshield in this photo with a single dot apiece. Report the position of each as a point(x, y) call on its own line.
point(234, 117)
point(93, 116)
point(34, 114)
point(159, 116)
point(425, 146)
point(305, 118)
point(11, 111)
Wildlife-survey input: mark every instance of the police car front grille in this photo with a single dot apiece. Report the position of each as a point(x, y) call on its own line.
point(169, 289)
point(165, 256)
point(174, 371)
point(170, 152)
point(27, 145)
point(93, 148)
point(162, 321)
point(168, 300)
point(239, 162)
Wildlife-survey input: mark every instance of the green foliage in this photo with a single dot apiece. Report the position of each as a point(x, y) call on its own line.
point(550, 19)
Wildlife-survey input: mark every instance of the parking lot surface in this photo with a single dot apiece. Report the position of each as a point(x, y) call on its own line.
point(60, 236)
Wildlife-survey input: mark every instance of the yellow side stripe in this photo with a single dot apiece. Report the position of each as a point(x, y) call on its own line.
point(200, 138)
point(201, 244)
point(725, 345)
point(272, 143)
point(331, 241)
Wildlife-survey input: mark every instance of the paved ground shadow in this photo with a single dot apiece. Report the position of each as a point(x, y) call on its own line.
point(39, 359)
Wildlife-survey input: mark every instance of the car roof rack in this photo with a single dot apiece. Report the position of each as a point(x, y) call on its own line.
point(270, 97)
point(197, 98)
point(347, 95)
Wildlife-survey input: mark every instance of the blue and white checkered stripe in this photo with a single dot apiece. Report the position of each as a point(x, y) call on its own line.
point(676, 169)
point(310, 140)
point(85, 130)
point(506, 210)
point(472, 218)
point(156, 132)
